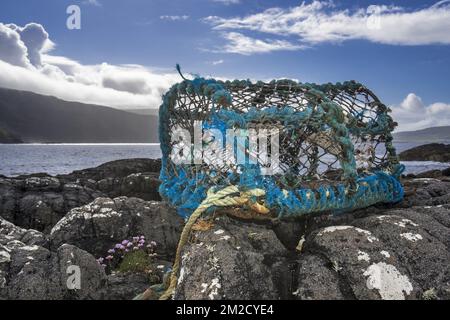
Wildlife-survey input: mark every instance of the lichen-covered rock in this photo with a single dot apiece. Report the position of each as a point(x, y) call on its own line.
point(399, 254)
point(425, 192)
point(318, 281)
point(354, 254)
point(38, 201)
point(234, 260)
point(372, 254)
point(139, 185)
point(9, 233)
point(32, 272)
point(97, 226)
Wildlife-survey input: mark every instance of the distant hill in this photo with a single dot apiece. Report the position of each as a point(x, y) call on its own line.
point(7, 137)
point(435, 134)
point(153, 112)
point(36, 118)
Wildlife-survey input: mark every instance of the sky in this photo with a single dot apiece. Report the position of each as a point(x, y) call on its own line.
point(123, 53)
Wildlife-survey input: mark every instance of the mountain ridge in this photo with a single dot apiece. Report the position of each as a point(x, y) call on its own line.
point(428, 135)
point(33, 117)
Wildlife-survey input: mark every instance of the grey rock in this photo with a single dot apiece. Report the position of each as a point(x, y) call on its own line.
point(38, 201)
point(234, 260)
point(29, 270)
point(36, 273)
point(93, 281)
point(317, 280)
point(97, 226)
point(399, 254)
point(41, 184)
point(139, 185)
point(425, 192)
point(115, 169)
point(11, 234)
point(125, 286)
point(356, 257)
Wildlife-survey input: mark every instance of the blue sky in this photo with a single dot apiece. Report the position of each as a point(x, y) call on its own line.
point(154, 35)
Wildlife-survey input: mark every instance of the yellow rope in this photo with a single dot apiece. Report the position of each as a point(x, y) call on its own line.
point(221, 198)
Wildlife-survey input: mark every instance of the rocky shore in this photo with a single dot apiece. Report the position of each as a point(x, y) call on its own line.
point(48, 223)
point(438, 152)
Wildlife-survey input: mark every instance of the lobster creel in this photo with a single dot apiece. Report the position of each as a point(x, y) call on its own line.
point(287, 148)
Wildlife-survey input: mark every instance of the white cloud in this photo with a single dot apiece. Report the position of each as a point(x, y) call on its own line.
point(321, 21)
point(413, 114)
point(36, 40)
point(174, 18)
point(217, 62)
point(13, 50)
point(241, 44)
point(26, 64)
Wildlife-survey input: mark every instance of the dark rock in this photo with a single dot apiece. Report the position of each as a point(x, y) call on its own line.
point(99, 225)
point(446, 172)
point(138, 185)
point(30, 271)
point(125, 286)
point(11, 233)
point(317, 280)
point(429, 174)
point(400, 254)
point(425, 192)
point(93, 279)
point(370, 254)
point(35, 273)
point(235, 260)
point(116, 169)
point(415, 240)
point(39, 201)
point(429, 152)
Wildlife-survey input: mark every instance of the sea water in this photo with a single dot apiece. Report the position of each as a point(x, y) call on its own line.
point(17, 159)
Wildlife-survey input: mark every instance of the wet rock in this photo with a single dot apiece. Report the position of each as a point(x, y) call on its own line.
point(116, 169)
point(429, 152)
point(97, 226)
point(234, 260)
